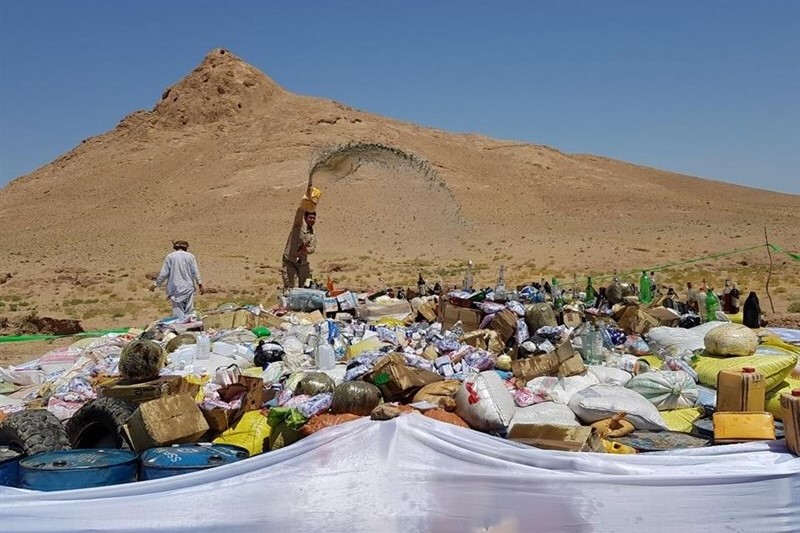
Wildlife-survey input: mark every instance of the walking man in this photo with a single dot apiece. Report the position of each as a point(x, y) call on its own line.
point(181, 273)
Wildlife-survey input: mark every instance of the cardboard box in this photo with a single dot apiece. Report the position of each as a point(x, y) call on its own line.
point(174, 419)
point(790, 409)
point(557, 437)
point(664, 315)
point(743, 427)
point(572, 319)
point(231, 319)
point(396, 381)
point(535, 366)
point(634, 320)
point(504, 323)
point(149, 390)
point(428, 311)
point(571, 367)
point(450, 314)
point(564, 351)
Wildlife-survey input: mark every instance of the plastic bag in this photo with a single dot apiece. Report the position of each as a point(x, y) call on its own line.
point(249, 433)
point(356, 397)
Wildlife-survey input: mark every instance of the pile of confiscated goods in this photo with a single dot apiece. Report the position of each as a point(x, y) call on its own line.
point(244, 381)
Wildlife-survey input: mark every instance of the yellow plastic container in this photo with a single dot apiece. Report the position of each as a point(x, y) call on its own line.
point(790, 406)
point(734, 427)
point(740, 390)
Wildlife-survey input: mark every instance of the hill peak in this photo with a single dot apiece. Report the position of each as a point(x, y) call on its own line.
point(222, 88)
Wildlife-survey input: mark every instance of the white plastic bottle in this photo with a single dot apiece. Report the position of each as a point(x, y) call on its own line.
point(203, 347)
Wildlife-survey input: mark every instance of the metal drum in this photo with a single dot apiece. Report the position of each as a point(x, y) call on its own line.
point(183, 458)
point(78, 469)
point(9, 467)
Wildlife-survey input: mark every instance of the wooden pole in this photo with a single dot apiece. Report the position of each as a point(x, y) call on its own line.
point(769, 274)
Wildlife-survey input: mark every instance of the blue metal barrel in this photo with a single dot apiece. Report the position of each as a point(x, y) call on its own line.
point(183, 458)
point(9, 467)
point(78, 469)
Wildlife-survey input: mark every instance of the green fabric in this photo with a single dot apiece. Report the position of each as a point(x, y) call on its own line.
point(29, 338)
point(289, 415)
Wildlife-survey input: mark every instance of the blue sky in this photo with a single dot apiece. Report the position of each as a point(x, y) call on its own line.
point(706, 88)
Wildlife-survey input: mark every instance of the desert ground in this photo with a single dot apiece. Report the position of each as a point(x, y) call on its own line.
point(225, 155)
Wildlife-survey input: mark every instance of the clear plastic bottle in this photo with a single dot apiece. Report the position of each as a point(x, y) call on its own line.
point(324, 355)
point(466, 285)
point(203, 347)
point(500, 287)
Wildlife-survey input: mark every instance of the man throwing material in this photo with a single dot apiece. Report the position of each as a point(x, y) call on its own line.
point(301, 242)
point(180, 272)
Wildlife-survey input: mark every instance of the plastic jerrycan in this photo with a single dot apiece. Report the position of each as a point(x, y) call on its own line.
point(740, 390)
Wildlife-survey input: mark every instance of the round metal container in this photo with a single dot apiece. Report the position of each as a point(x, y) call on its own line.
point(9, 467)
point(183, 458)
point(78, 469)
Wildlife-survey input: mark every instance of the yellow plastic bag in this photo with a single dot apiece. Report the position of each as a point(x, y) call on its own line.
point(774, 368)
point(249, 433)
point(773, 399)
point(192, 379)
point(681, 419)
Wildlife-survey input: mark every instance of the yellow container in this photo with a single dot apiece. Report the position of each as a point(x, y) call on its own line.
point(790, 406)
point(740, 390)
point(743, 427)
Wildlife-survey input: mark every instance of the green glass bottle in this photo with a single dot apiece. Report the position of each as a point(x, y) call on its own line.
point(590, 292)
point(712, 305)
point(644, 288)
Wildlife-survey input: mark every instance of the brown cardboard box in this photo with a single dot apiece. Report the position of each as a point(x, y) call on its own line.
point(396, 380)
point(790, 409)
point(149, 390)
point(564, 351)
point(634, 320)
point(428, 311)
point(535, 366)
point(504, 323)
point(664, 315)
point(557, 437)
point(220, 419)
point(450, 314)
point(169, 420)
point(571, 367)
point(572, 319)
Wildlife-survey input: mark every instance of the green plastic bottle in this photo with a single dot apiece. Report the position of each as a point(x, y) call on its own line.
point(590, 292)
point(644, 288)
point(712, 305)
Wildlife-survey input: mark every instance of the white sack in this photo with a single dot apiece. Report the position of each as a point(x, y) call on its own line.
point(666, 389)
point(484, 403)
point(561, 390)
point(545, 413)
point(604, 401)
point(610, 375)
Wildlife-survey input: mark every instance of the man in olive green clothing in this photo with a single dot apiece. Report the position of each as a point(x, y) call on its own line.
point(301, 243)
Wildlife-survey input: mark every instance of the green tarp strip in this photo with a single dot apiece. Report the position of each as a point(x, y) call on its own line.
point(28, 338)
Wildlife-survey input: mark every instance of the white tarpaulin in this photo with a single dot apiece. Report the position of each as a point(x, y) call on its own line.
point(416, 474)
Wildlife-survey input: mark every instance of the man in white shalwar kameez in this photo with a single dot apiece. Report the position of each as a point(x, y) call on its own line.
point(180, 272)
